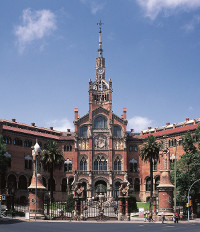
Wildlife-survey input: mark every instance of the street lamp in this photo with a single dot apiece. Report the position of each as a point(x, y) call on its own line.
point(36, 152)
point(189, 198)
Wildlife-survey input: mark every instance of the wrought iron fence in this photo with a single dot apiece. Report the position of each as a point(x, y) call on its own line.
point(57, 210)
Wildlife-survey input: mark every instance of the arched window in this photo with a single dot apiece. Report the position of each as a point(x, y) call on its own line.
point(7, 140)
point(27, 143)
point(157, 182)
point(100, 163)
point(137, 185)
point(28, 162)
point(70, 183)
point(64, 185)
point(12, 184)
point(9, 156)
point(117, 131)
point(155, 165)
point(67, 165)
point(83, 131)
point(148, 184)
point(100, 187)
point(100, 123)
point(135, 148)
point(22, 184)
point(44, 181)
point(175, 143)
point(67, 148)
point(83, 164)
point(133, 164)
point(117, 186)
point(17, 142)
point(117, 164)
point(130, 180)
point(130, 148)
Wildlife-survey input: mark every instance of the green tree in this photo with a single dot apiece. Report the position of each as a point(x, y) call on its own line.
point(4, 161)
point(52, 158)
point(70, 203)
point(188, 170)
point(188, 144)
point(132, 203)
point(150, 152)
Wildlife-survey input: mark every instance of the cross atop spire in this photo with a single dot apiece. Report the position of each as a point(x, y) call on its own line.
point(100, 23)
point(100, 50)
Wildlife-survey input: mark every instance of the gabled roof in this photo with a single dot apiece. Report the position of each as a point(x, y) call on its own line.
point(85, 117)
point(120, 119)
point(100, 109)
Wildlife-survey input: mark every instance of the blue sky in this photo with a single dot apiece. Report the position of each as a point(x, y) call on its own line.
point(48, 50)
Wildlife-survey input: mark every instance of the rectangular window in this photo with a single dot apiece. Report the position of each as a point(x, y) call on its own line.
point(28, 164)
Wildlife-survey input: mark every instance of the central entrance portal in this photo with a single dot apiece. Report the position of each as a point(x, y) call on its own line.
point(101, 187)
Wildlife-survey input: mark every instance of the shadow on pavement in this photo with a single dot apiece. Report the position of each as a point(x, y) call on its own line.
point(9, 221)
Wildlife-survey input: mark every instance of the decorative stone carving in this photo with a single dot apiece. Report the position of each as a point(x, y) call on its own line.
point(83, 145)
point(100, 142)
point(118, 145)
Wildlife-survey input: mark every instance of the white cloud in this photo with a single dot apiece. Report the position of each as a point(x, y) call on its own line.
point(139, 123)
point(153, 7)
point(190, 108)
point(61, 125)
point(95, 5)
point(35, 26)
point(189, 27)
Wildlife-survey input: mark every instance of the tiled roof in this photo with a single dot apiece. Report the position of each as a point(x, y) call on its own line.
point(30, 132)
point(171, 131)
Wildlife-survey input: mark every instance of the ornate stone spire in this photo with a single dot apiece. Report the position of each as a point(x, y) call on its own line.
point(100, 50)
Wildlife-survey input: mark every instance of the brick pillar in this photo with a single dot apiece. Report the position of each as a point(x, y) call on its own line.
point(75, 205)
point(165, 188)
point(126, 206)
point(39, 199)
point(121, 206)
point(81, 207)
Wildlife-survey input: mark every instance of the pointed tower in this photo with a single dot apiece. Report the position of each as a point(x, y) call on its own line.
point(100, 91)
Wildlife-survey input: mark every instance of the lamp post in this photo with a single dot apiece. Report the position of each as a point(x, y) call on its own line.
point(189, 198)
point(35, 186)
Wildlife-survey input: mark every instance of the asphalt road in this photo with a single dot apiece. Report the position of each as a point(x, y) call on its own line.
point(17, 226)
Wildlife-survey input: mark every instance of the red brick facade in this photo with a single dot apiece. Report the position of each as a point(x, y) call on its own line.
point(100, 152)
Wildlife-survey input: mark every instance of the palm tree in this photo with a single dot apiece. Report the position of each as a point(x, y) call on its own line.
point(150, 152)
point(51, 158)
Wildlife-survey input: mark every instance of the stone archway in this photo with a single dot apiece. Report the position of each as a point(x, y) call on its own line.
point(100, 187)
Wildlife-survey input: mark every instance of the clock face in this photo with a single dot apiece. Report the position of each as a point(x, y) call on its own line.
point(100, 70)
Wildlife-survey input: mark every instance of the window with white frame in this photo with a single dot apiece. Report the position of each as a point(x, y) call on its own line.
point(68, 165)
point(100, 163)
point(83, 164)
point(28, 162)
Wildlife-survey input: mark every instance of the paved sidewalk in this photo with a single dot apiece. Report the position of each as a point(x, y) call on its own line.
point(136, 220)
